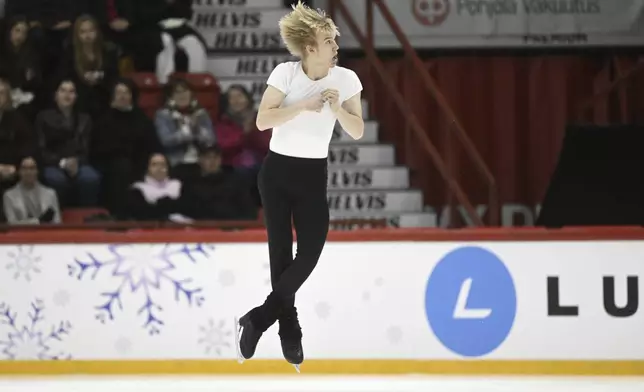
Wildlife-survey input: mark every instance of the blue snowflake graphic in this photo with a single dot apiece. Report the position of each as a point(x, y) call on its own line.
point(143, 269)
point(30, 341)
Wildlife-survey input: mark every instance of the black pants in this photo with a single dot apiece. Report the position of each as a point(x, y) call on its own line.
point(292, 190)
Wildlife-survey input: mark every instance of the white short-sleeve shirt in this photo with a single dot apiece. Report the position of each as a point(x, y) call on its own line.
point(308, 134)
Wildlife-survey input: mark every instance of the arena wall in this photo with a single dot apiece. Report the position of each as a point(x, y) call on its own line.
point(496, 301)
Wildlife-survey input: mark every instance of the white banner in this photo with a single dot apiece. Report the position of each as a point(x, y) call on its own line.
point(365, 300)
point(501, 23)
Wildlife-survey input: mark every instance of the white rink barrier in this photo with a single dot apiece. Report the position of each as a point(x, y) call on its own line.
point(407, 301)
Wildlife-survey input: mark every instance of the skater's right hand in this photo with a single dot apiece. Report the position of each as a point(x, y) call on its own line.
point(313, 104)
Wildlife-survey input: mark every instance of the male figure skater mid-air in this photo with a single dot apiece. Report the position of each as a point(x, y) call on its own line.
point(301, 104)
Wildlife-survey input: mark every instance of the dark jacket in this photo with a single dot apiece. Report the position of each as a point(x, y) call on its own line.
point(224, 195)
point(60, 137)
point(142, 209)
point(92, 99)
point(17, 138)
point(124, 134)
point(15, 64)
point(179, 9)
point(47, 12)
point(98, 9)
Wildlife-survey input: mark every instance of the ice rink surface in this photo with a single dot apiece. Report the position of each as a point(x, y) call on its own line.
point(303, 383)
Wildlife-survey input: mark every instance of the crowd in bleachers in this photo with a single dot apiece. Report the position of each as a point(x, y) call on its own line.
point(106, 103)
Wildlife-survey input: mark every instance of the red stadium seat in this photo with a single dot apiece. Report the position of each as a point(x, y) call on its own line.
point(150, 92)
point(145, 81)
point(79, 215)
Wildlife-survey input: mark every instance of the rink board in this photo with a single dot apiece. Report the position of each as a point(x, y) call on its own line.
point(496, 301)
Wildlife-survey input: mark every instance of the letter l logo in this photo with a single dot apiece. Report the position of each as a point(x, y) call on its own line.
point(460, 311)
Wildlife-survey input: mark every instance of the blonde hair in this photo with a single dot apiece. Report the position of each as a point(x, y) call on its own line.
point(299, 28)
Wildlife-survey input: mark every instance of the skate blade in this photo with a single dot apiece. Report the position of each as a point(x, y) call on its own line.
point(297, 368)
point(240, 357)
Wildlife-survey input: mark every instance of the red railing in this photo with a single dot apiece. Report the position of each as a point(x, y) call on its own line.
point(605, 90)
point(446, 171)
point(166, 225)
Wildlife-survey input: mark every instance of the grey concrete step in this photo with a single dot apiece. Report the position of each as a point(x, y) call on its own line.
point(393, 220)
point(368, 177)
point(255, 66)
point(375, 201)
point(238, 4)
point(370, 134)
point(212, 19)
point(361, 154)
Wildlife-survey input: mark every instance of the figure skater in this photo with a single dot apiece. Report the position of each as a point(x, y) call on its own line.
point(301, 104)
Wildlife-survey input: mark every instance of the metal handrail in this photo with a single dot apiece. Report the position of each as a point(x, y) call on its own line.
point(433, 88)
point(411, 117)
point(602, 93)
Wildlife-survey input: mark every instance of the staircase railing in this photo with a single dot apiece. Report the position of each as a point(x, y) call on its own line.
point(429, 83)
point(605, 91)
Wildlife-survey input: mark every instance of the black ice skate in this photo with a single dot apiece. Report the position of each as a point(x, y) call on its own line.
point(290, 334)
point(246, 338)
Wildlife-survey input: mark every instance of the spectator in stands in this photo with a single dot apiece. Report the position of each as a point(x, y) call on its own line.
point(30, 202)
point(129, 25)
point(16, 139)
point(243, 146)
point(183, 127)
point(179, 38)
point(20, 63)
point(50, 22)
point(63, 135)
point(92, 65)
point(217, 192)
point(157, 197)
point(121, 142)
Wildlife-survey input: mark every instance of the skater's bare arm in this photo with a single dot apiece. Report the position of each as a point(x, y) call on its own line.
point(271, 115)
point(350, 117)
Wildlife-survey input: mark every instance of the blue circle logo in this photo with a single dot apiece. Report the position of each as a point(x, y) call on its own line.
point(471, 301)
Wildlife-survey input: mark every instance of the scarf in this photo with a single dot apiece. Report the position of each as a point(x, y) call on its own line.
point(154, 190)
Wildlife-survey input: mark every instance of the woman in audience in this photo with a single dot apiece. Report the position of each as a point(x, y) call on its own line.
point(50, 22)
point(20, 64)
point(64, 135)
point(29, 202)
point(91, 65)
point(183, 127)
point(16, 138)
point(157, 197)
point(121, 142)
point(243, 146)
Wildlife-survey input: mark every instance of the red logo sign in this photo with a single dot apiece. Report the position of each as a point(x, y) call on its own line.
point(431, 12)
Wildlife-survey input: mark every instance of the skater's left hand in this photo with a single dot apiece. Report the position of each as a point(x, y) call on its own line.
point(332, 96)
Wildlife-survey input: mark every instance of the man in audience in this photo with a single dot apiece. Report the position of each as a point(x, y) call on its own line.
point(216, 192)
point(29, 202)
